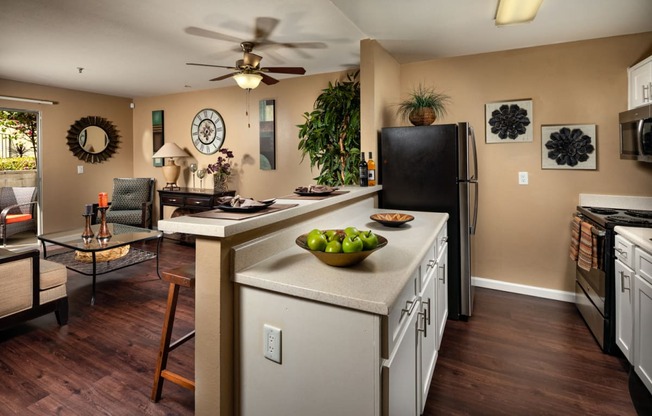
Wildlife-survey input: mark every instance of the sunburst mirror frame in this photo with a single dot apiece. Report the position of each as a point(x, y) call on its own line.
point(79, 126)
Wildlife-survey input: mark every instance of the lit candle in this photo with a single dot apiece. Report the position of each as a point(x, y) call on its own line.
point(89, 209)
point(104, 200)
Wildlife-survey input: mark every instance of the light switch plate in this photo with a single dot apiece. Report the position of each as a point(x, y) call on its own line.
point(80, 169)
point(522, 178)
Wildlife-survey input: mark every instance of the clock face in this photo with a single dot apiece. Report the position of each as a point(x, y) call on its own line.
point(208, 131)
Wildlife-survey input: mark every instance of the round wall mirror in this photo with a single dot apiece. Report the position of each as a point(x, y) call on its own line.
point(93, 139)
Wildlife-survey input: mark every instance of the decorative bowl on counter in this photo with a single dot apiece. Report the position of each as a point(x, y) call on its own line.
point(392, 219)
point(340, 259)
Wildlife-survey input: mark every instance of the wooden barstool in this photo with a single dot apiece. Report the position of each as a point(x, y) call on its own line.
point(181, 276)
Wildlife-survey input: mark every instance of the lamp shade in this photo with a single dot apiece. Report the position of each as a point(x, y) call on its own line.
point(516, 11)
point(248, 81)
point(170, 150)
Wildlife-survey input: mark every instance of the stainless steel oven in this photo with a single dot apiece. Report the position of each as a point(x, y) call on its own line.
point(595, 288)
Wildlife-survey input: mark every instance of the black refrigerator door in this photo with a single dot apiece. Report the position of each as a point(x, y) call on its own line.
point(419, 168)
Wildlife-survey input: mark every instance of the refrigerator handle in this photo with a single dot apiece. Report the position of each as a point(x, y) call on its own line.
point(475, 155)
point(475, 209)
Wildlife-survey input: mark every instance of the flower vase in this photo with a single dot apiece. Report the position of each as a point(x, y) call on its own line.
point(219, 184)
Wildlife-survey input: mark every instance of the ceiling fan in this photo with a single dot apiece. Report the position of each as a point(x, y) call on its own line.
point(247, 71)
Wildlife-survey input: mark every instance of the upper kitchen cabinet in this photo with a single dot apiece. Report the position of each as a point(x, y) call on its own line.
point(640, 83)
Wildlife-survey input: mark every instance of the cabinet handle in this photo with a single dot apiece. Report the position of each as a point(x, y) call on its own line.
point(409, 307)
point(622, 281)
point(425, 326)
point(621, 252)
point(431, 263)
point(646, 97)
point(428, 314)
point(443, 274)
point(444, 239)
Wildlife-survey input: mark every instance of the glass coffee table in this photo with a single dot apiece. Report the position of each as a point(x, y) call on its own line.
point(93, 258)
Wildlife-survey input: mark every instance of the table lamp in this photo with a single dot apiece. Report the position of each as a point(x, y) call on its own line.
point(170, 170)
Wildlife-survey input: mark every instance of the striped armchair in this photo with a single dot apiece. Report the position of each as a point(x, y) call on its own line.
point(17, 211)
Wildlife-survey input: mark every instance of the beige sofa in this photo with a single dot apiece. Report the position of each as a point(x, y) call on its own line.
point(31, 287)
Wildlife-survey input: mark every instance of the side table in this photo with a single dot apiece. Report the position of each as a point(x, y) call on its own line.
point(193, 199)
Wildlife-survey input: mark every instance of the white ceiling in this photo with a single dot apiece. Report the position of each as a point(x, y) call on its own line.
point(139, 48)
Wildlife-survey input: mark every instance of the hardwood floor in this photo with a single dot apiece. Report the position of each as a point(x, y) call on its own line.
point(517, 355)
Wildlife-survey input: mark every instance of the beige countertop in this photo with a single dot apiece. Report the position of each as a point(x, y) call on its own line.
point(370, 286)
point(639, 236)
point(226, 228)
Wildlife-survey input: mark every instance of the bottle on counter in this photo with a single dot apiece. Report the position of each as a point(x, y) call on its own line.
point(364, 173)
point(371, 169)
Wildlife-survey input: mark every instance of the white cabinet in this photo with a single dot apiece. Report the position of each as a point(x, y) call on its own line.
point(624, 309)
point(643, 316)
point(427, 335)
point(640, 84)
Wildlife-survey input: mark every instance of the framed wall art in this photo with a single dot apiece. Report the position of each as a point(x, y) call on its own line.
point(509, 121)
point(267, 110)
point(158, 138)
point(569, 146)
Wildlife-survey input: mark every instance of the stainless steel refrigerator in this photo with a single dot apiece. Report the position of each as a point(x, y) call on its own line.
point(435, 168)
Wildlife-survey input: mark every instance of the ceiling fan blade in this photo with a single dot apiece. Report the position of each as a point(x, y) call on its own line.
point(223, 77)
point(267, 79)
point(197, 31)
point(252, 59)
point(303, 45)
point(285, 70)
point(212, 66)
point(264, 27)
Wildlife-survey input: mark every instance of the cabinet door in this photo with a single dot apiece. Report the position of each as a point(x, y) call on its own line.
point(400, 373)
point(643, 330)
point(441, 305)
point(427, 329)
point(640, 80)
point(624, 309)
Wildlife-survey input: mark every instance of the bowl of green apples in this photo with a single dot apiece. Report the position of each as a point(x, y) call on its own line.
point(341, 247)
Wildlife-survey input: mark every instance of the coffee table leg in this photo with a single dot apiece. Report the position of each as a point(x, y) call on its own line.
point(158, 252)
point(94, 275)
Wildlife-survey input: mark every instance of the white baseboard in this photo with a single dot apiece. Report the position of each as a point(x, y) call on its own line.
point(538, 292)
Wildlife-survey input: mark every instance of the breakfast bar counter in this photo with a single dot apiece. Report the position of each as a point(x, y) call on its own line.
point(215, 262)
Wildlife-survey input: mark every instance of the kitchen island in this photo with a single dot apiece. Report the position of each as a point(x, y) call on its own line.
point(260, 253)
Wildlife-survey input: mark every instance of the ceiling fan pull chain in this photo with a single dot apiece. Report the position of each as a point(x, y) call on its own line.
point(247, 109)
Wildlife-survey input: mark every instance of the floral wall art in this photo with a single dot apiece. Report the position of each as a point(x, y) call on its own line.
point(570, 146)
point(509, 121)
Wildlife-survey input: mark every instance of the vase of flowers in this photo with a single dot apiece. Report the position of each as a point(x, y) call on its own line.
point(221, 170)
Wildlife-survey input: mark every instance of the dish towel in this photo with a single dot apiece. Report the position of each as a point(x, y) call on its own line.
point(575, 237)
point(587, 255)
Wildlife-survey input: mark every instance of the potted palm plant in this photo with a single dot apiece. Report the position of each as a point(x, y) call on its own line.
point(423, 106)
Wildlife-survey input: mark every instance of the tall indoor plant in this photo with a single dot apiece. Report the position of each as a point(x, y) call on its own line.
point(423, 106)
point(330, 135)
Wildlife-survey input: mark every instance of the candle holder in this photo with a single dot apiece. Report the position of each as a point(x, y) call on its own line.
point(87, 235)
point(103, 234)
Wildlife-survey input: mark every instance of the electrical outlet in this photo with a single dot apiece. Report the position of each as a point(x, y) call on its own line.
point(522, 178)
point(80, 169)
point(272, 343)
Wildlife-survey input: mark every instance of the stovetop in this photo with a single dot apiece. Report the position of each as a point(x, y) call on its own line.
point(611, 217)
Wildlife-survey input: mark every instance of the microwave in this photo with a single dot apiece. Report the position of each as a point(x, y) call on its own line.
point(636, 134)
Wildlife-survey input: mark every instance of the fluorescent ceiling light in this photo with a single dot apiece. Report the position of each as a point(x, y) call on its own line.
point(248, 81)
point(516, 11)
point(27, 100)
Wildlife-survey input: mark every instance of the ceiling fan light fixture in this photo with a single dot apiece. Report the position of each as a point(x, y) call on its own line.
point(511, 12)
point(248, 81)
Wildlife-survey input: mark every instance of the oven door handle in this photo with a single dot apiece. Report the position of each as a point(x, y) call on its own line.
point(598, 232)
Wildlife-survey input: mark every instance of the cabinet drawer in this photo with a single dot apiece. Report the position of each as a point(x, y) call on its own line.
point(198, 202)
point(172, 200)
point(624, 251)
point(643, 264)
point(405, 306)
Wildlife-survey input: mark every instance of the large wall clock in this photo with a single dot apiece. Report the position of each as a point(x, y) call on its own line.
point(208, 131)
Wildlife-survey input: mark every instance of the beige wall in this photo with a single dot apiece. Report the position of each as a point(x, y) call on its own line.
point(63, 191)
point(293, 97)
point(522, 234)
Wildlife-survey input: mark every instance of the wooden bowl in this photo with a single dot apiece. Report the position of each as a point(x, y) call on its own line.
point(340, 259)
point(392, 219)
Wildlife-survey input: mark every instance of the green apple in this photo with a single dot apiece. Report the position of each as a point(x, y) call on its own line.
point(315, 231)
point(369, 240)
point(351, 244)
point(330, 234)
point(317, 242)
point(334, 246)
point(350, 231)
